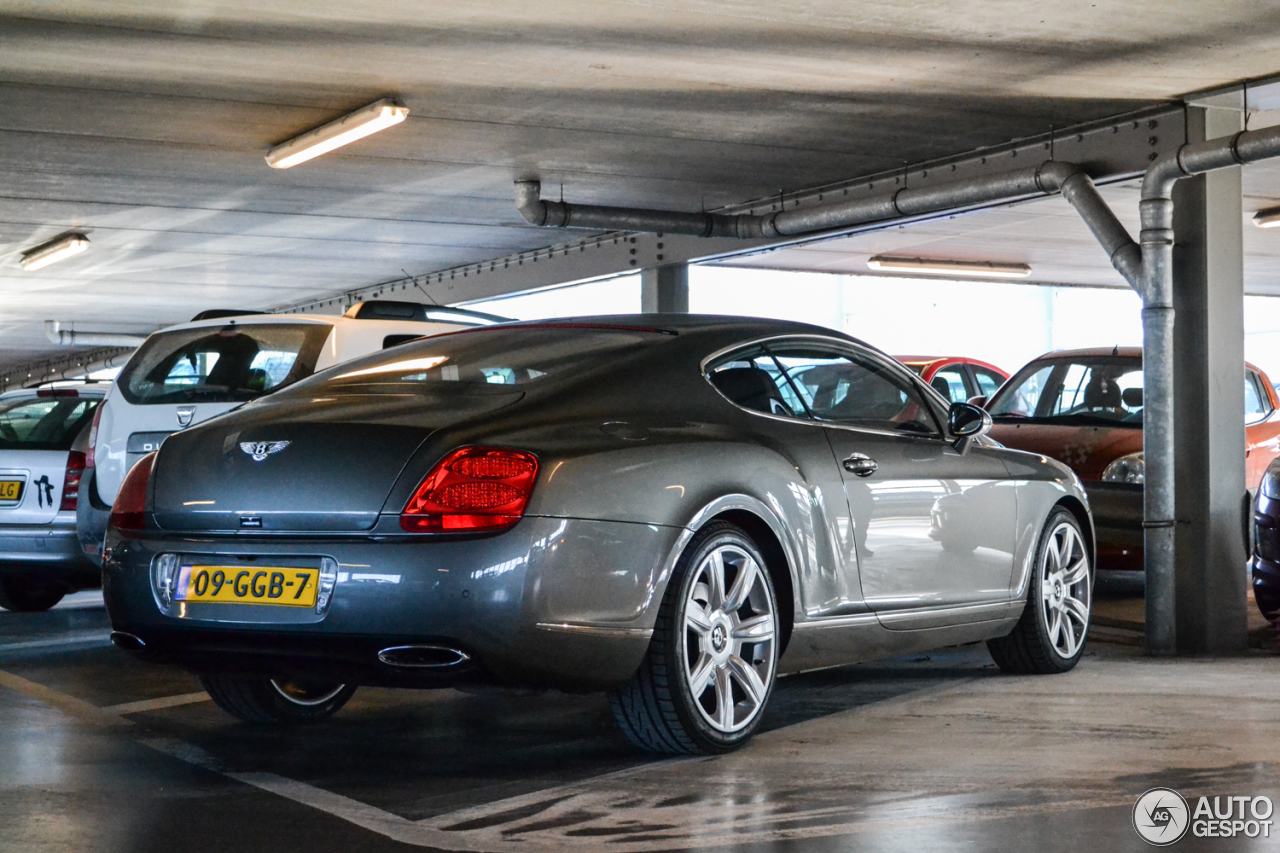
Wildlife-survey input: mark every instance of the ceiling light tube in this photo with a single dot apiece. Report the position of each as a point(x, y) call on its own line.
point(55, 250)
point(929, 266)
point(1268, 218)
point(377, 116)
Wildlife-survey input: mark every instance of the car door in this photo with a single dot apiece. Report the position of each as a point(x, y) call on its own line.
point(813, 504)
point(949, 381)
point(1262, 429)
point(985, 382)
point(934, 528)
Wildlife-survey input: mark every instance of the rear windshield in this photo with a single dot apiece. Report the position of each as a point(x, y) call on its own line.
point(44, 423)
point(485, 360)
point(230, 364)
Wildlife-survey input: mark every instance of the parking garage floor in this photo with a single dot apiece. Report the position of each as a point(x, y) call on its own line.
point(99, 752)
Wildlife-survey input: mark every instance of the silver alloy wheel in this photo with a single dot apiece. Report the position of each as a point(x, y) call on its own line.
point(1065, 590)
point(730, 639)
point(303, 694)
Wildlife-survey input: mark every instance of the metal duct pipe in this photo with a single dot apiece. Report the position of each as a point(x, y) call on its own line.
point(1048, 177)
point(69, 338)
point(1156, 287)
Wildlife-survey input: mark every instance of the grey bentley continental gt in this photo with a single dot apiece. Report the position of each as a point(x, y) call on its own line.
point(673, 509)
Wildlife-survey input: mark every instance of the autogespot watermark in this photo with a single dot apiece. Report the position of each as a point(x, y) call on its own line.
point(1162, 817)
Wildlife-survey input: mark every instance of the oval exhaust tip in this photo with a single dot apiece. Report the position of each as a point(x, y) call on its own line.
point(128, 642)
point(423, 657)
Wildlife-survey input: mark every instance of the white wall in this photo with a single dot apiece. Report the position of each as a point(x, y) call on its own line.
point(1006, 324)
point(617, 295)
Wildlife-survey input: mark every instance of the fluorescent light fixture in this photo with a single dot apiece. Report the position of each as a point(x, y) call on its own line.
point(1268, 218)
point(357, 125)
point(929, 266)
point(55, 250)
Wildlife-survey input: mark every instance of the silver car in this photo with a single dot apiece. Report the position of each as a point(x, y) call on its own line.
point(673, 509)
point(43, 444)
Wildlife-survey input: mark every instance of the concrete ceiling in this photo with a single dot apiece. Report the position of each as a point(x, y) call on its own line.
point(144, 125)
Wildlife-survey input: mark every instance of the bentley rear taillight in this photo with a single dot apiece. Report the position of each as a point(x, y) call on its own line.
point(472, 489)
point(129, 510)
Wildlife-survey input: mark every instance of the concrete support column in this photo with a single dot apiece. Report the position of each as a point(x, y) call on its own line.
point(1208, 298)
point(665, 290)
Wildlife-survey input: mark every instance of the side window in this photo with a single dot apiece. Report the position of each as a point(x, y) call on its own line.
point(988, 382)
point(754, 381)
point(949, 382)
point(856, 390)
point(1256, 404)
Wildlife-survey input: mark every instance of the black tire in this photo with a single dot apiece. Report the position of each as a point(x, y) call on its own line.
point(1032, 648)
point(282, 700)
point(656, 709)
point(28, 595)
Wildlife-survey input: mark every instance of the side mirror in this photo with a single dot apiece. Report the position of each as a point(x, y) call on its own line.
point(966, 422)
point(979, 400)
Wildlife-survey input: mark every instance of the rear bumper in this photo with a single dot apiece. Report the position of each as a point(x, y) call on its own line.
point(562, 603)
point(1117, 522)
point(48, 551)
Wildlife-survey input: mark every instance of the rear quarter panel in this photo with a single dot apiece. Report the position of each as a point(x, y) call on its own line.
point(1042, 484)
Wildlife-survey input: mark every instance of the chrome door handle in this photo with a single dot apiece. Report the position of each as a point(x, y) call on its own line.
point(860, 465)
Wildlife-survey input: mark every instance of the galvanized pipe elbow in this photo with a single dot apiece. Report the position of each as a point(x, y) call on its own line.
point(529, 202)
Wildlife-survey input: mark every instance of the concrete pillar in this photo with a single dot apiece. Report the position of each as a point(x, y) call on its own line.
point(665, 290)
point(1208, 297)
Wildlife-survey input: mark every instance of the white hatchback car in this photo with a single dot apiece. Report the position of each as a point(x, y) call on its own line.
point(43, 438)
point(186, 374)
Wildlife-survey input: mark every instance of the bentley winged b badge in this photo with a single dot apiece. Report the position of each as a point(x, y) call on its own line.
point(260, 450)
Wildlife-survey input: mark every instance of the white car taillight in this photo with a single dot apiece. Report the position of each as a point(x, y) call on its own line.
point(71, 482)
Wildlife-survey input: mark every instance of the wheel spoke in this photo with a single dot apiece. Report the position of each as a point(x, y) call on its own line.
point(1052, 556)
point(1055, 627)
point(715, 581)
point(704, 672)
point(748, 679)
point(1077, 608)
point(724, 698)
point(1078, 571)
point(1069, 630)
point(757, 629)
point(742, 585)
point(697, 618)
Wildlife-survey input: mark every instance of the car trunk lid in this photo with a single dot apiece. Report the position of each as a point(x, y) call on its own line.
point(317, 465)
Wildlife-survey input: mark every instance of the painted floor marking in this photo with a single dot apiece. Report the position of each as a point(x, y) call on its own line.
point(77, 708)
point(159, 703)
point(82, 638)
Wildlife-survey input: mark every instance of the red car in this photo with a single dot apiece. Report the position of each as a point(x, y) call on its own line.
point(1084, 408)
point(955, 377)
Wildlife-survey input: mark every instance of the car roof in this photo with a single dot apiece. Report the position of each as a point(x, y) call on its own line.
point(688, 324)
point(1122, 352)
point(1093, 352)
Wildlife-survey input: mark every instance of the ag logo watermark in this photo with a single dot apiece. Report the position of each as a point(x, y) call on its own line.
point(1163, 817)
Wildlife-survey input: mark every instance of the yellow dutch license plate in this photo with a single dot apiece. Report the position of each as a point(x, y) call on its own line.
point(287, 586)
point(11, 490)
